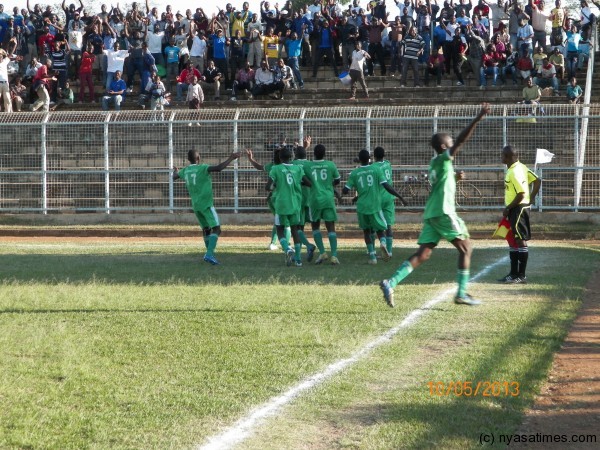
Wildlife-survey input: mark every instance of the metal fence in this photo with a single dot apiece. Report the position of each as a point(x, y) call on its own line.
point(121, 162)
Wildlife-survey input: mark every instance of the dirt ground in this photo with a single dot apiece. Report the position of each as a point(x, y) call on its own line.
point(569, 403)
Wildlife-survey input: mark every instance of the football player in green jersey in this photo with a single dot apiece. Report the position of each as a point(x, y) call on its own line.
point(387, 199)
point(300, 160)
point(368, 180)
point(324, 176)
point(198, 182)
point(286, 180)
point(440, 218)
point(270, 199)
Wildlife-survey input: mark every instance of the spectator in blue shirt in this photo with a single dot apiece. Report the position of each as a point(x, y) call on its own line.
point(573, 39)
point(293, 46)
point(325, 47)
point(172, 56)
point(220, 42)
point(116, 93)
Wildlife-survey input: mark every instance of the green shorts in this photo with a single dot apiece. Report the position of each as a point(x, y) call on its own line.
point(449, 227)
point(389, 212)
point(208, 217)
point(327, 214)
point(271, 204)
point(304, 215)
point(375, 222)
point(287, 220)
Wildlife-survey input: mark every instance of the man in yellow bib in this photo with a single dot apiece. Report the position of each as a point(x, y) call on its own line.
point(518, 199)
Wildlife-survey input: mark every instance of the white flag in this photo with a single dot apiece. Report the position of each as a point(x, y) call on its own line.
point(543, 156)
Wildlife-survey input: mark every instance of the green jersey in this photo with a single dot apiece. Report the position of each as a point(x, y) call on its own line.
point(443, 187)
point(367, 181)
point(322, 173)
point(199, 184)
point(306, 192)
point(386, 169)
point(287, 180)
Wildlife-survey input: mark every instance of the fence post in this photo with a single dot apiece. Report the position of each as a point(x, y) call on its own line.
point(44, 165)
point(171, 194)
point(301, 125)
point(576, 154)
point(504, 127)
point(436, 114)
point(541, 192)
point(236, 164)
point(106, 165)
point(368, 130)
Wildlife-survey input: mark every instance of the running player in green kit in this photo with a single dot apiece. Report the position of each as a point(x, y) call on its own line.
point(199, 185)
point(324, 176)
point(440, 218)
point(368, 180)
point(286, 180)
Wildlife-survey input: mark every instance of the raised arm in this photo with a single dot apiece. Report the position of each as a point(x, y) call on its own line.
point(255, 164)
point(219, 167)
point(465, 134)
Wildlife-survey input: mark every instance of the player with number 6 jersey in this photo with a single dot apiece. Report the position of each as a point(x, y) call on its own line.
point(286, 180)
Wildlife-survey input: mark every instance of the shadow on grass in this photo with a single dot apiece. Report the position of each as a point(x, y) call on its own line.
point(261, 267)
point(455, 418)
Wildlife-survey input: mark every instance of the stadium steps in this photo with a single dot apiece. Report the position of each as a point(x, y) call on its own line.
point(337, 95)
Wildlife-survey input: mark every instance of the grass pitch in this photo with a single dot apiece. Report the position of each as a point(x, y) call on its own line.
point(139, 344)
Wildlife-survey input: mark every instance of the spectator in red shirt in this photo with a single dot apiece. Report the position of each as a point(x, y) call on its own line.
point(44, 42)
point(85, 74)
point(244, 79)
point(185, 79)
point(435, 66)
point(42, 84)
point(489, 66)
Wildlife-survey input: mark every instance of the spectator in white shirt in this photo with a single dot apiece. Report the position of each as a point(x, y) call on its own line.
point(359, 56)
point(115, 60)
point(155, 39)
point(4, 87)
point(198, 50)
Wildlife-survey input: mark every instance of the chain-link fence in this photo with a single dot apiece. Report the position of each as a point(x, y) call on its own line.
point(121, 162)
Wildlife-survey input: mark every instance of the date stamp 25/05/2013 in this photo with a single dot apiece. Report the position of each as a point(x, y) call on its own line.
point(474, 388)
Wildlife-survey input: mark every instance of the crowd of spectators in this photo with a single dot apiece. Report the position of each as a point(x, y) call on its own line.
point(45, 52)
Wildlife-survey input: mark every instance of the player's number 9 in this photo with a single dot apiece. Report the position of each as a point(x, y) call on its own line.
point(369, 181)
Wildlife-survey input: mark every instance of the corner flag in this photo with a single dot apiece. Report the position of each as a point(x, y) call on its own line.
point(543, 156)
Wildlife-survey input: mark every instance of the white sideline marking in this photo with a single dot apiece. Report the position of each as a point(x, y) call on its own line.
point(244, 427)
